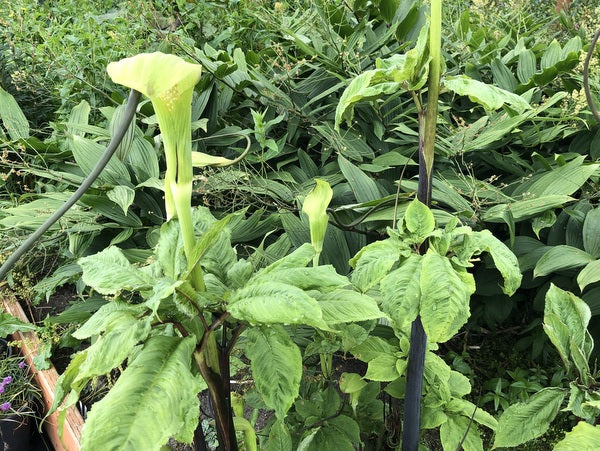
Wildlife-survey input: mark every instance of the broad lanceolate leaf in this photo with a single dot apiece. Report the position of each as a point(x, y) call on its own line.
point(444, 298)
point(572, 312)
point(591, 232)
point(109, 272)
point(123, 196)
point(418, 219)
point(322, 277)
point(373, 262)
point(345, 306)
point(582, 437)
point(12, 117)
point(560, 258)
point(588, 275)
point(154, 398)
point(454, 429)
point(507, 263)
point(490, 97)
point(276, 365)
point(279, 437)
point(525, 421)
point(524, 209)
point(401, 292)
point(9, 325)
point(271, 302)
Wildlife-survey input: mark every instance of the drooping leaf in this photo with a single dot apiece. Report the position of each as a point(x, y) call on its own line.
point(525, 421)
point(373, 262)
point(591, 232)
point(401, 292)
point(571, 311)
point(525, 209)
point(12, 117)
point(560, 258)
point(154, 398)
point(9, 325)
point(109, 272)
point(364, 187)
point(444, 298)
point(345, 306)
point(87, 153)
point(274, 302)
point(490, 97)
point(123, 196)
point(276, 365)
point(558, 333)
point(454, 429)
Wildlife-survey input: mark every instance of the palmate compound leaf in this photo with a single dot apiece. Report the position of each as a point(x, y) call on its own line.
point(444, 298)
point(525, 421)
point(154, 398)
point(276, 365)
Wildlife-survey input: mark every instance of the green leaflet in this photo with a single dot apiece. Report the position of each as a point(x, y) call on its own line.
point(591, 232)
point(453, 430)
point(279, 437)
point(9, 325)
point(87, 153)
point(12, 117)
point(444, 298)
point(419, 219)
point(123, 196)
point(340, 434)
point(588, 275)
point(522, 422)
point(524, 209)
point(385, 368)
point(109, 272)
point(373, 262)
point(570, 310)
point(129, 416)
point(271, 302)
point(276, 366)
point(582, 437)
point(400, 291)
point(490, 97)
point(312, 278)
point(506, 262)
point(345, 306)
point(560, 258)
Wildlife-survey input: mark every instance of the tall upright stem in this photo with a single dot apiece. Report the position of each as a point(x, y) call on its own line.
point(418, 338)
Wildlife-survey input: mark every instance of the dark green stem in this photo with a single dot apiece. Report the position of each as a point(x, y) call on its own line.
point(130, 108)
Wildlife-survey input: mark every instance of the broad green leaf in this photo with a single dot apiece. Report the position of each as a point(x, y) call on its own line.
point(371, 348)
point(454, 429)
point(9, 325)
point(560, 258)
point(127, 142)
point(459, 384)
point(373, 262)
point(279, 437)
point(589, 275)
point(123, 196)
point(345, 306)
point(563, 180)
point(387, 9)
point(87, 153)
point(351, 383)
point(315, 207)
point(558, 333)
point(401, 292)
point(13, 119)
point(468, 409)
point(506, 262)
point(571, 311)
point(299, 258)
point(340, 434)
point(155, 398)
point(274, 302)
point(524, 209)
point(591, 232)
point(383, 368)
point(322, 277)
point(143, 161)
point(169, 250)
point(444, 298)
point(109, 272)
point(419, 219)
point(211, 238)
point(583, 437)
point(364, 187)
point(490, 97)
point(526, 66)
point(276, 365)
point(525, 421)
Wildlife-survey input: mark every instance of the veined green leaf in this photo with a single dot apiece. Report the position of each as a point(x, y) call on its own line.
point(87, 153)
point(275, 302)
point(322, 277)
point(276, 365)
point(123, 196)
point(560, 258)
point(373, 262)
point(444, 298)
point(526, 66)
point(109, 272)
point(128, 416)
point(279, 437)
point(299, 258)
point(453, 430)
point(558, 333)
point(490, 97)
point(522, 422)
point(419, 219)
point(9, 325)
point(467, 409)
point(570, 310)
point(383, 368)
point(364, 187)
point(591, 232)
point(400, 291)
point(582, 437)
point(588, 275)
point(12, 117)
point(525, 209)
point(345, 306)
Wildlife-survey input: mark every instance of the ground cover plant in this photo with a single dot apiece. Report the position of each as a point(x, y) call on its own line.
point(303, 257)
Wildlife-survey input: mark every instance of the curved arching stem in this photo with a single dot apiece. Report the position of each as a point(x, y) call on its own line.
point(130, 108)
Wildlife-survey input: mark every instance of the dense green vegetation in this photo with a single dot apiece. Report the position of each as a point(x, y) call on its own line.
point(321, 90)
